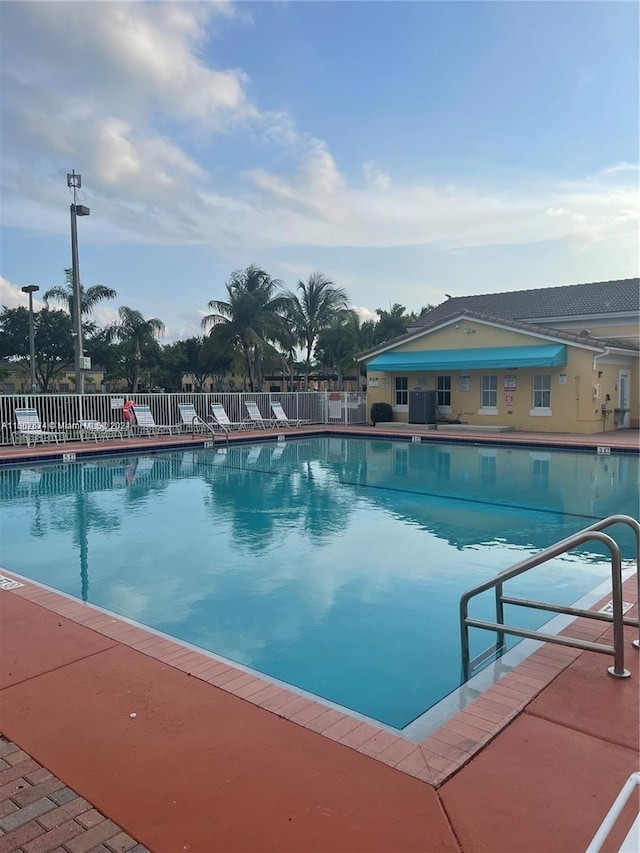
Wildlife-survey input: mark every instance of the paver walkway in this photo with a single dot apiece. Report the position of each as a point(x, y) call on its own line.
point(40, 814)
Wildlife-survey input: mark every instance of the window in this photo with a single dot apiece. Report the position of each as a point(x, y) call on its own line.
point(402, 390)
point(443, 387)
point(489, 394)
point(64, 387)
point(188, 387)
point(542, 391)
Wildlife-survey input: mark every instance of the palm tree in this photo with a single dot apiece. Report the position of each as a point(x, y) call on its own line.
point(252, 321)
point(89, 297)
point(138, 333)
point(316, 305)
point(339, 344)
point(392, 323)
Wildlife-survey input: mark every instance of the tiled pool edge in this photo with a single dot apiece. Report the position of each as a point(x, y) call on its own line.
point(433, 760)
point(15, 455)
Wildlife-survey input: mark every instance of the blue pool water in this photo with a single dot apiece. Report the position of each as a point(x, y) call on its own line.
point(333, 564)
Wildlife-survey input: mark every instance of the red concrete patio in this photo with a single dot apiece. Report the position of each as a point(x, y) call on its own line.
point(217, 760)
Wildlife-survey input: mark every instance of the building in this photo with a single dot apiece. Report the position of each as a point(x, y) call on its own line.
point(557, 359)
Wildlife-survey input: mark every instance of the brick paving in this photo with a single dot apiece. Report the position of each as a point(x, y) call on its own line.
point(40, 814)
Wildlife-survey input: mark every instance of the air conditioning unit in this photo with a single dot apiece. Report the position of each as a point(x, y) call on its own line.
point(85, 363)
point(596, 392)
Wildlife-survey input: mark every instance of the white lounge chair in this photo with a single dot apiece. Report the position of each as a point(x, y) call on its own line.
point(99, 432)
point(29, 427)
point(191, 420)
point(222, 419)
point(255, 416)
point(281, 418)
point(145, 422)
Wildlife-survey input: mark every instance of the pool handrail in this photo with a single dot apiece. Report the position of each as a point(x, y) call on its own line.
point(591, 533)
point(614, 813)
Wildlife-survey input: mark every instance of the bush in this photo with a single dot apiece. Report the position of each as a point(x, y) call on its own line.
point(381, 413)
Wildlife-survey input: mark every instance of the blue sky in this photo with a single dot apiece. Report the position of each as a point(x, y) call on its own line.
point(408, 150)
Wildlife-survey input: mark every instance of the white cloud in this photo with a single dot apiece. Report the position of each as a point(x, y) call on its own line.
point(364, 313)
point(123, 93)
point(11, 296)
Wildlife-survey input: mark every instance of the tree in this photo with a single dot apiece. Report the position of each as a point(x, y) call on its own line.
point(315, 306)
point(392, 323)
point(106, 354)
point(251, 322)
point(53, 341)
point(139, 346)
point(89, 297)
point(339, 344)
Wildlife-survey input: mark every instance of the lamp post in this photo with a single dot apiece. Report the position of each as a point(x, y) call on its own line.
point(31, 289)
point(74, 182)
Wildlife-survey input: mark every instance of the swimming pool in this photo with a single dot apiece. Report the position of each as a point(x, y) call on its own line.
point(332, 564)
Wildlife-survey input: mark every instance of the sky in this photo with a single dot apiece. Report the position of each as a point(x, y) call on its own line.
point(407, 150)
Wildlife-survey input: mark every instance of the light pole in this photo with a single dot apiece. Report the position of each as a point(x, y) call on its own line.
point(31, 289)
point(74, 182)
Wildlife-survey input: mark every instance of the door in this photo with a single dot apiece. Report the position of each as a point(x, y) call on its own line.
point(623, 399)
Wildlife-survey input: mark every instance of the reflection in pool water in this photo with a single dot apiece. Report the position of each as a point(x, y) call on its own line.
point(333, 564)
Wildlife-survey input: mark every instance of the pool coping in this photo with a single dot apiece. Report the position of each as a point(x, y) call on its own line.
point(433, 760)
point(611, 443)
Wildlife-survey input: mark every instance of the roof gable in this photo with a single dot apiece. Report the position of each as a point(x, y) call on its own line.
point(544, 332)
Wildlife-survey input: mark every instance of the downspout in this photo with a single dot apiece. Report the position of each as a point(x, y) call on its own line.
point(600, 355)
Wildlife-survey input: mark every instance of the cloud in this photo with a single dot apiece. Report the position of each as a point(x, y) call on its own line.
point(364, 313)
point(128, 94)
point(11, 296)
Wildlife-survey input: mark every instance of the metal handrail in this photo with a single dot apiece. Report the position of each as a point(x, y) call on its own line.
point(614, 813)
point(592, 533)
point(197, 421)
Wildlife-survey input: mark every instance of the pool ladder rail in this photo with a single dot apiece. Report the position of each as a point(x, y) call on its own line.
point(617, 617)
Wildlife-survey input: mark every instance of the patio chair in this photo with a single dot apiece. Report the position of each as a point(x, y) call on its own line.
point(255, 416)
point(28, 426)
point(99, 432)
point(281, 418)
point(191, 420)
point(222, 419)
point(145, 422)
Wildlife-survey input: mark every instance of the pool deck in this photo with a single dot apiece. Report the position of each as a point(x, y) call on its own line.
point(218, 759)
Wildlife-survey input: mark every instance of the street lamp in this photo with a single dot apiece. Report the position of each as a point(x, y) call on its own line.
point(74, 182)
point(31, 289)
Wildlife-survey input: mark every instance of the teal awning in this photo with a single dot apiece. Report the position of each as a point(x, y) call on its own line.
point(549, 355)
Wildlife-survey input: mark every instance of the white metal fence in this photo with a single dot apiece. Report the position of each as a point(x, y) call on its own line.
point(65, 411)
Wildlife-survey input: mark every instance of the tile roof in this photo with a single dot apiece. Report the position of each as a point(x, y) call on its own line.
point(575, 300)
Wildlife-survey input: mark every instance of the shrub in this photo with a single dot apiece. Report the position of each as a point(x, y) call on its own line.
point(381, 413)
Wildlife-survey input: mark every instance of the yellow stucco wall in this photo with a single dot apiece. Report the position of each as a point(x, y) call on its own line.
point(578, 391)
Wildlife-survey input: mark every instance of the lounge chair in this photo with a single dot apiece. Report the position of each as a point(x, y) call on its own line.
point(99, 432)
point(28, 426)
point(145, 422)
point(191, 420)
point(222, 419)
point(281, 418)
point(255, 417)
